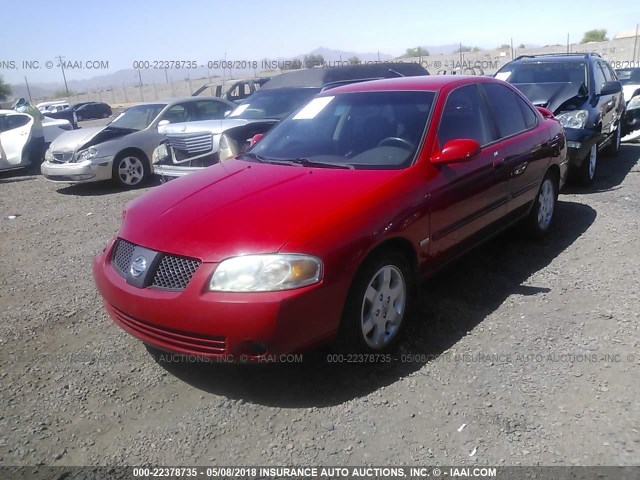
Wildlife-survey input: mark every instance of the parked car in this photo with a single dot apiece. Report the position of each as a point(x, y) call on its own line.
point(233, 90)
point(67, 114)
point(192, 146)
point(43, 106)
point(584, 93)
point(15, 134)
point(321, 229)
point(56, 108)
point(630, 80)
point(121, 150)
point(93, 110)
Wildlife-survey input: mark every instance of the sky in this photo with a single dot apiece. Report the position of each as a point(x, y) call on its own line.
point(121, 32)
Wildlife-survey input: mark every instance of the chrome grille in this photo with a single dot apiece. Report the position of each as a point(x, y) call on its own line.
point(122, 254)
point(174, 273)
point(191, 143)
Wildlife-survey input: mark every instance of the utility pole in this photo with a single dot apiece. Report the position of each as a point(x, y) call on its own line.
point(28, 90)
point(140, 78)
point(568, 48)
point(64, 77)
point(635, 43)
point(512, 53)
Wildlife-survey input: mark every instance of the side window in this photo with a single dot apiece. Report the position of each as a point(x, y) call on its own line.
point(17, 121)
point(465, 116)
point(598, 77)
point(530, 118)
point(614, 77)
point(176, 114)
point(507, 109)
point(210, 110)
point(607, 74)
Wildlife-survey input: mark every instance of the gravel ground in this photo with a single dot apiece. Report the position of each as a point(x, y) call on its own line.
point(523, 354)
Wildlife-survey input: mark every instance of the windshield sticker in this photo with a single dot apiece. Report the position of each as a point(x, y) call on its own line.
point(239, 110)
point(313, 108)
point(503, 75)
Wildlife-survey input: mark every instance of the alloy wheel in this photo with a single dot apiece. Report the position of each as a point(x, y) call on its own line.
point(546, 202)
point(130, 171)
point(383, 307)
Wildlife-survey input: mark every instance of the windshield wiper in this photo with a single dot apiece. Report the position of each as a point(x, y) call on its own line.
point(305, 162)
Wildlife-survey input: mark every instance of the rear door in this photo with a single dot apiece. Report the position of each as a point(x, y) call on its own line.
point(15, 131)
point(469, 195)
point(524, 154)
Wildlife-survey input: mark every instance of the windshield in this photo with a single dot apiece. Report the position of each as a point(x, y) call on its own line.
point(138, 117)
point(544, 72)
point(276, 103)
point(628, 75)
point(377, 130)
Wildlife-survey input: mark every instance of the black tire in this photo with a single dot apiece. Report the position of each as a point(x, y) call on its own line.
point(136, 166)
point(360, 310)
point(585, 174)
point(614, 147)
point(539, 222)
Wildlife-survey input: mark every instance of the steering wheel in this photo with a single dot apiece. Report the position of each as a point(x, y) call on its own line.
point(397, 140)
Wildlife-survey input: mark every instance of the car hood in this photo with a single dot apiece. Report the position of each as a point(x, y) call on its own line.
point(551, 95)
point(213, 126)
point(629, 89)
point(237, 207)
point(75, 140)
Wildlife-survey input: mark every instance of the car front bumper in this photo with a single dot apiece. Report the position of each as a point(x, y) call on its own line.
point(82, 172)
point(223, 326)
point(174, 171)
point(631, 130)
point(579, 143)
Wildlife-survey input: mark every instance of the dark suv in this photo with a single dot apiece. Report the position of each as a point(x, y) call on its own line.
point(584, 93)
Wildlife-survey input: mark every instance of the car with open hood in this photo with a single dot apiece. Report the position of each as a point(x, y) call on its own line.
point(121, 151)
point(630, 80)
point(320, 230)
point(194, 145)
point(584, 93)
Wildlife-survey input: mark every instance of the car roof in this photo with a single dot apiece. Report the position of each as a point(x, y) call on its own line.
point(430, 82)
point(170, 101)
point(561, 57)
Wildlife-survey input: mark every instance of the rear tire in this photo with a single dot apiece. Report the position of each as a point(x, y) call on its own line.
point(587, 171)
point(378, 305)
point(542, 214)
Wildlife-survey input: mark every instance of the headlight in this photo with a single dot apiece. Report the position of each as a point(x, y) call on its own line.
point(573, 119)
point(160, 153)
point(87, 154)
point(48, 155)
point(634, 103)
point(266, 273)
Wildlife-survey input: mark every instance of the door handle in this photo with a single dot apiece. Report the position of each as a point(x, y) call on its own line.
point(498, 162)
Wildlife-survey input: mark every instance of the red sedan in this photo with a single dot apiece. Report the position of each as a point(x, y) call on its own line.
point(321, 229)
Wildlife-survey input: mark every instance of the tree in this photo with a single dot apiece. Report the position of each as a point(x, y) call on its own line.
point(415, 52)
point(5, 90)
point(521, 46)
point(311, 61)
point(354, 60)
point(59, 93)
point(595, 35)
point(504, 46)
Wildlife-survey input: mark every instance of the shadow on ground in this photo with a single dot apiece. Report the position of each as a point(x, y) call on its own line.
point(611, 171)
point(449, 305)
point(103, 188)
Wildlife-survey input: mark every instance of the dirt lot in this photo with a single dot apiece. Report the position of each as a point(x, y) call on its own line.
point(523, 353)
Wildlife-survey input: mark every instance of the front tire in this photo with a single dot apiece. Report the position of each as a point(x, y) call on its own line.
point(540, 219)
point(378, 304)
point(613, 149)
point(587, 171)
point(129, 170)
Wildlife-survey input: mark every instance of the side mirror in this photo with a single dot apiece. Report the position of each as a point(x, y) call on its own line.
point(609, 88)
point(162, 123)
point(456, 150)
point(546, 113)
point(255, 139)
